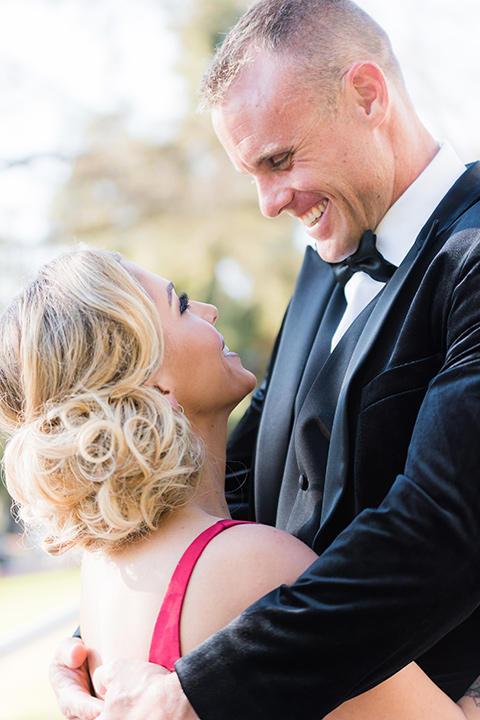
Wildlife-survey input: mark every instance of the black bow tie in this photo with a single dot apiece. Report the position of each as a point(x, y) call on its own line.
point(366, 259)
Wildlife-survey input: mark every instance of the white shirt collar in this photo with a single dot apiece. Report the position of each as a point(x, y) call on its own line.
point(398, 230)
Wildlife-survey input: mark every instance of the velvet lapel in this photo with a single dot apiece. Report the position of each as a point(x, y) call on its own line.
point(464, 193)
point(312, 291)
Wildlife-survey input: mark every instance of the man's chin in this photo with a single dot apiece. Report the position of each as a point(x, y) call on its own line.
point(332, 252)
point(327, 252)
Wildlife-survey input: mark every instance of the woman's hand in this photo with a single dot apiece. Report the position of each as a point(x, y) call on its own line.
point(71, 682)
point(137, 690)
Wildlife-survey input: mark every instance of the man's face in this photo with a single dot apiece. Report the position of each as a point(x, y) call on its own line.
point(331, 171)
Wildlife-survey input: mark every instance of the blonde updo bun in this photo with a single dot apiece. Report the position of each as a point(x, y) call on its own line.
point(95, 457)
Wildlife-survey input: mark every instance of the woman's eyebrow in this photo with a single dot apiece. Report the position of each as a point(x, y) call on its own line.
point(170, 289)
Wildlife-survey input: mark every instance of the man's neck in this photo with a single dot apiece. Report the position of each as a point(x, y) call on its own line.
point(414, 149)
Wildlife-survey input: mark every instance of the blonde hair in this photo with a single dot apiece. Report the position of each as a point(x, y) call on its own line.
point(95, 456)
point(320, 37)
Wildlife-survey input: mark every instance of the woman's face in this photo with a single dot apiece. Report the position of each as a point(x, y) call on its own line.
point(198, 370)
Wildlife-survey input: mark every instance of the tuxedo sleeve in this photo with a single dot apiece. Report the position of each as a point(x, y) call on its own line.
point(391, 585)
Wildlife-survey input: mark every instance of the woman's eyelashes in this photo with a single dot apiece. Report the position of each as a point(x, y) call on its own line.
point(183, 302)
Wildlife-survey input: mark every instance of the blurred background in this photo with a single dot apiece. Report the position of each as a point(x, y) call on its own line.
point(100, 143)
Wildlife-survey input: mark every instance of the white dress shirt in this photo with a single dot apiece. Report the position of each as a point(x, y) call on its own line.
point(398, 230)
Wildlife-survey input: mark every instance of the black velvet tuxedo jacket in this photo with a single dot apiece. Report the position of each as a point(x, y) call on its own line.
point(372, 456)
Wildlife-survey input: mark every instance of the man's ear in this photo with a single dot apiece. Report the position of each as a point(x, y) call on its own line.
point(366, 86)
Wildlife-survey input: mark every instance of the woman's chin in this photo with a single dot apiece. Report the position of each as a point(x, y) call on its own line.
point(249, 385)
point(248, 388)
point(253, 382)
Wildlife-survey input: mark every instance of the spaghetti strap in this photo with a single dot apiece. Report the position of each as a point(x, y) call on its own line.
point(165, 643)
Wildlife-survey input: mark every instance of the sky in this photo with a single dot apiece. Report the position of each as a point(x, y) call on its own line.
point(63, 62)
point(437, 43)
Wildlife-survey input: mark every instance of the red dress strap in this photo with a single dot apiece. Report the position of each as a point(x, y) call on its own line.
point(165, 643)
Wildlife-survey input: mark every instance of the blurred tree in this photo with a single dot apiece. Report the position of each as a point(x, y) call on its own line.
point(202, 25)
point(178, 208)
point(181, 209)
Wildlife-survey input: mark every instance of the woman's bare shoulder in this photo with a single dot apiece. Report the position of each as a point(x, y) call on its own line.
point(238, 567)
point(277, 554)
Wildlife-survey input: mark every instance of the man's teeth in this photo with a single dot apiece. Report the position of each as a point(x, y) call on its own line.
point(225, 350)
point(314, 215)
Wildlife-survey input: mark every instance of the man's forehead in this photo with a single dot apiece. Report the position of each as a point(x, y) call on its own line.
point(262, 80)
point(253, 115)
point(251, 136)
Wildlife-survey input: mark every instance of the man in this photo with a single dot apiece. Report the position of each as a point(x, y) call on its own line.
point(364, 436)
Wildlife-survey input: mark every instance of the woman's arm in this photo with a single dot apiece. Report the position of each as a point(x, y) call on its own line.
point(270, 557)
point(409, 695)
point(141, 691)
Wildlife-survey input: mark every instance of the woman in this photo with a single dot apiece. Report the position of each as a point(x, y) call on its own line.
point(101, 364)
point(93, 388)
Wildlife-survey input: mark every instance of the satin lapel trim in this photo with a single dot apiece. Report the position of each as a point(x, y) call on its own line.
point(337, 464)
point(312, 291)
point(464, 194)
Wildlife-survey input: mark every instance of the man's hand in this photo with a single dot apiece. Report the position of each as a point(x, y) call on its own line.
point(137, 690)
point(71, 682)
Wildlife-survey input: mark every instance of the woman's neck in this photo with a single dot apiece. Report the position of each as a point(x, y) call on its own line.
point(210, 495)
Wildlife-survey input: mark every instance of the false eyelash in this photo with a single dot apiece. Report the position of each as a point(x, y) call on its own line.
point(184, 302)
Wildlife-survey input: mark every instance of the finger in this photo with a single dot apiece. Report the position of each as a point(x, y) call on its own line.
point(101, 678)
point(90, 709)
point(76, 702)
point(71, 652)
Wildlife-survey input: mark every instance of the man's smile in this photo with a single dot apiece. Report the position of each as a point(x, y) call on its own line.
point(312, 217)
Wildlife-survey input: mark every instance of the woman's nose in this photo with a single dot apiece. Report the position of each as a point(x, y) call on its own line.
point(206, 311)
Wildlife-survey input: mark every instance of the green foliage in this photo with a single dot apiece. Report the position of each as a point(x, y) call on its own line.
point(202, 25)
point(180, 208)
point(26, 599)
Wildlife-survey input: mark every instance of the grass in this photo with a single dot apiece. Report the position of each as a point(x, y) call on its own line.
point(37, 593)
point(26, 693)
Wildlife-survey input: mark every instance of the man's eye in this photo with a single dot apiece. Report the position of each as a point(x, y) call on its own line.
point(184, 302)
point(281, 161)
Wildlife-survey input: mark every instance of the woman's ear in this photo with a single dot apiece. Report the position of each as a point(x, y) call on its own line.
point(366, 86)
point(168, 396)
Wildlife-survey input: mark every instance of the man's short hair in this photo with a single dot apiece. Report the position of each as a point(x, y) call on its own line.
point(321, 37)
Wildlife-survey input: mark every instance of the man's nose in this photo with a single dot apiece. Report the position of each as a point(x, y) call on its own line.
point(273, 196)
